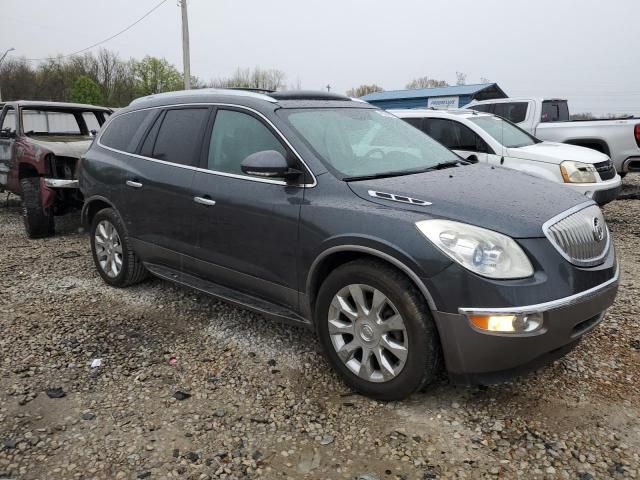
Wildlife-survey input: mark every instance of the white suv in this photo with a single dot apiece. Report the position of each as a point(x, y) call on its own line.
point(483, 137)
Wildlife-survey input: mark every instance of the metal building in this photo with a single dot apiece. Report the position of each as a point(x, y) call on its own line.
point(439, 98)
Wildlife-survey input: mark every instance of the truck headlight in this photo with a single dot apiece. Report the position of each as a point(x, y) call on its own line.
point(578, 172)
point(485, 252)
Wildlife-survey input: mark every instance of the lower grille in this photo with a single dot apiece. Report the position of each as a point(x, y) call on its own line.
point(605, 170)
point(580, 235)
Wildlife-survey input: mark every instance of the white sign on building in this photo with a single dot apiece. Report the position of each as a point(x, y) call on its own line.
point(443, 103)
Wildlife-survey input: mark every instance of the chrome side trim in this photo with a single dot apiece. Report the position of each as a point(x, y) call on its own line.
point(398, 198)
point(60, 183)
point(552, 305)
point(204, 170)
point(546, 227)
point(376, 253)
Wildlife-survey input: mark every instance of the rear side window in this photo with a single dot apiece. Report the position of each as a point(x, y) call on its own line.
point(554, 111)
point(452, 135)
point(235, 136)
point(124, 132)
point(515, 112)
point(180, 136)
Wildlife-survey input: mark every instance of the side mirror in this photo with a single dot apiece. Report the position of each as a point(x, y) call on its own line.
point(268, 163)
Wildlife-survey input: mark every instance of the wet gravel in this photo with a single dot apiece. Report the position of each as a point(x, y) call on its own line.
point(189, 387)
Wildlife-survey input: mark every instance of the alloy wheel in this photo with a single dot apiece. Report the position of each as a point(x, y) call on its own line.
point(108, 248)
point(368, 333)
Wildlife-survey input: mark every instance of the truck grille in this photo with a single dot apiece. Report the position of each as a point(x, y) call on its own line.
point(605, 170)
point(580, 235)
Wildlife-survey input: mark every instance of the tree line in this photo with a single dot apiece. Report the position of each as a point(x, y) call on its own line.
point(104, 78)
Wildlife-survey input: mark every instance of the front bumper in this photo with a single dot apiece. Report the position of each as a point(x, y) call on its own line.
point(60, 183)
point(478, 357)
point(602, 192)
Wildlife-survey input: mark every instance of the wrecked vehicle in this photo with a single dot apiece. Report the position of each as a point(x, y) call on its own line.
point(40, 146)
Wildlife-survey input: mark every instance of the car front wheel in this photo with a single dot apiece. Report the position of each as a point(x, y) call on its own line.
point(377, 330)
point(116, 262)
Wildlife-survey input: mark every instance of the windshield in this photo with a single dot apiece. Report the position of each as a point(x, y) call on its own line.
point(57, 122)
point(504, 132)
point(359, 142)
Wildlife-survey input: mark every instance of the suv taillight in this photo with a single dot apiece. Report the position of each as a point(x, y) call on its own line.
point(636, 132)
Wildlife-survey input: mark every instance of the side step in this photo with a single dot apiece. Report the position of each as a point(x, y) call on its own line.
point(258, 305)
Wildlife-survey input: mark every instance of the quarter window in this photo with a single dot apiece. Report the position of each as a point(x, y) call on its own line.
point(124, 131)
point(235, 136)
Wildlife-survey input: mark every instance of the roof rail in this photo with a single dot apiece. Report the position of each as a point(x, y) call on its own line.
point(204, 91)
point(308, 95)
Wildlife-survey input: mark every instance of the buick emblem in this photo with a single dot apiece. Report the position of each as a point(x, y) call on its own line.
point(598, 230)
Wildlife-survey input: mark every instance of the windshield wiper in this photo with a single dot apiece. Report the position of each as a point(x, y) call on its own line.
point(398, 173)
point(449, 164)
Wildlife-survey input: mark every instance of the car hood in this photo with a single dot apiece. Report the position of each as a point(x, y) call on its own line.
point(63, 147)
point(557, 153)
point(496, 198)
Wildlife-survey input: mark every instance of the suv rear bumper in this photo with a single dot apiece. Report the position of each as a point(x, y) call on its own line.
point(472, 356)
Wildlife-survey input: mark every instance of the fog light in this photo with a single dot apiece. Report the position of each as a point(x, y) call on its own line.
point(507, 323)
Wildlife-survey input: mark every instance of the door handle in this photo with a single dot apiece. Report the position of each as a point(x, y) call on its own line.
point(204, 201)
point(131, 183)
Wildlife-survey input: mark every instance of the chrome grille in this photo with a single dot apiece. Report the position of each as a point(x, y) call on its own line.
point(580, 235)
point(605, 170)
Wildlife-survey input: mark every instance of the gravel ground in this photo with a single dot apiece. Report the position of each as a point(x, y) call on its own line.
point(192, 388)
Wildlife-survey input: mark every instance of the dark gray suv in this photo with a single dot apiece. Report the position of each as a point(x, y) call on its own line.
point(327, 212)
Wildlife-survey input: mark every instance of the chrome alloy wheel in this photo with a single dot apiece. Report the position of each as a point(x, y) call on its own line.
point(108, 248)
point(368, 333)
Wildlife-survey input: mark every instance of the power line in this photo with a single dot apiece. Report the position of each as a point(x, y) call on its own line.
point(102, 41)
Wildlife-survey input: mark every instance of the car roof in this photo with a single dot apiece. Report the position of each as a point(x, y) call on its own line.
point(45, 104)
point(247, 97)
point(433, 113)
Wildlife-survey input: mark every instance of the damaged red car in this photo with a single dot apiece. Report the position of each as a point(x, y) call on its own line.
point(40, 146)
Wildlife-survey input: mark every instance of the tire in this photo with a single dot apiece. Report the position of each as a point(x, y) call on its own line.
point(420, 337)
point(38, 221)
point(110, 246)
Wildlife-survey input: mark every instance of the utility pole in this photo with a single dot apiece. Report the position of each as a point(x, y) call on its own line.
point(328, 87)
point(186, 58)
point(1, 60)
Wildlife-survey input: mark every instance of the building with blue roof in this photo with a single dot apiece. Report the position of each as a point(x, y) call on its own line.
point(439, 98)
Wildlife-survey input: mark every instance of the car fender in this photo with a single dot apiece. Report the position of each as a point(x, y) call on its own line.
point(377, 248)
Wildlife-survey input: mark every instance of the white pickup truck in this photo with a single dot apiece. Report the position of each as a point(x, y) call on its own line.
point(549, 120)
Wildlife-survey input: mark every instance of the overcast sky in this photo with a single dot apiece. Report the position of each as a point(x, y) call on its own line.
point(583, 50)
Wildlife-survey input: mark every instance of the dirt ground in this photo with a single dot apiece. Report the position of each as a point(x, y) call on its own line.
point(193, 388)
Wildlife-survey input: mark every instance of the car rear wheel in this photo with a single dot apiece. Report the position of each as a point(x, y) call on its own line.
point(377, 330)
point(38, 221)
point(116, 262)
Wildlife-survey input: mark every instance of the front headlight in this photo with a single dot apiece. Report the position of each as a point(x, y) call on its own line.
point(482, 251)
point(578, 172)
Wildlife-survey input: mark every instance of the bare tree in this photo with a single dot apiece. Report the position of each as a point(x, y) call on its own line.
point(461, 78)
point(363, 90)
point(258, 78)
point(425, 82)
point(485, 80)
point(582, 116)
